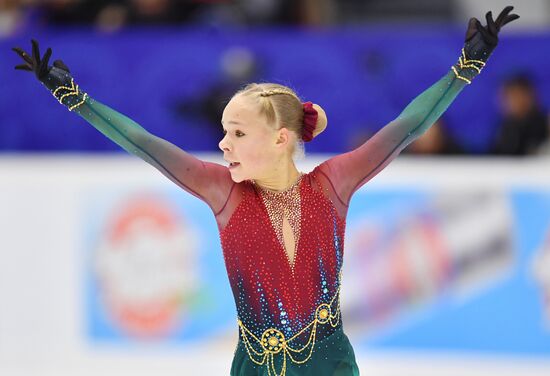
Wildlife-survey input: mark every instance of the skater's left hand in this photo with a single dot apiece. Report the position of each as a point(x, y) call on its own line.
point(481, 40)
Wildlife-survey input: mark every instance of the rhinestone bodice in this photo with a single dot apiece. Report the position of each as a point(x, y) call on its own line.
point(284, 208)
point(277, 300)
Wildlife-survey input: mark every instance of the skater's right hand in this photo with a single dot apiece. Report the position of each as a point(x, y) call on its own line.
point(56, 78)
point(51, 76)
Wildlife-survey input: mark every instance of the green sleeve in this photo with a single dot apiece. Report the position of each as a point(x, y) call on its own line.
point(349, 171)
point(208, 181)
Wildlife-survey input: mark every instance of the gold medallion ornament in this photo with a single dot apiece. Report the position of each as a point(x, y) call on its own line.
point(323, 313)
point(273, 341)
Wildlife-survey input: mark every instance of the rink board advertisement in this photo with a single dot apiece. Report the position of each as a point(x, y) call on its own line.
point(442, 269)
point(109, 268)
point(154, 267)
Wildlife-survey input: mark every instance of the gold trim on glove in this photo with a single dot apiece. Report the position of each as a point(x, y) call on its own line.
point(464, 63)
point(72, 90)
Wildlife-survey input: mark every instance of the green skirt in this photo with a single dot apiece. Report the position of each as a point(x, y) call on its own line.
point(332, 356)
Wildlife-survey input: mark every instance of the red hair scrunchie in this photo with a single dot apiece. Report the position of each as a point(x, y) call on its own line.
point(310, 121)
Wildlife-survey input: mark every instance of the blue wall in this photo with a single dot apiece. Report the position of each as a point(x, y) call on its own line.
point(362, 77)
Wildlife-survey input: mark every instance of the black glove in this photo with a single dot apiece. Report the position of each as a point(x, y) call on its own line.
point(480, 42)
point(56, 78)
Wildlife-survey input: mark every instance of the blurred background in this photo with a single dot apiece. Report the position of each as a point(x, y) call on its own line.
point(106, 267)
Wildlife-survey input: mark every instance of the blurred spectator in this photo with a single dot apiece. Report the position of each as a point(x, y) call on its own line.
point(161, 11)
point(9, 16)
point(67, 12)
point(270, 12)
point(524, 125)
point(353, 11)
point(436, 140)
point(238, 67)
point(12, 15)
point(110, 15)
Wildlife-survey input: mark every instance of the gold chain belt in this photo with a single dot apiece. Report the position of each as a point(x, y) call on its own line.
point(273, 340)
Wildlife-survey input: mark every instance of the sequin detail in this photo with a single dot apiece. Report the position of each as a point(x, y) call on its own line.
point(273, 342)
point(464, 64)
point(70, 96)
point(281, 205)
point(278, 309)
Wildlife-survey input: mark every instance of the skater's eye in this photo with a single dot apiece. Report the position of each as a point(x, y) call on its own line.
point(237, 133)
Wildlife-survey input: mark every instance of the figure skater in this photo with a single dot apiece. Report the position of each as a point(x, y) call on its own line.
point(281, 230)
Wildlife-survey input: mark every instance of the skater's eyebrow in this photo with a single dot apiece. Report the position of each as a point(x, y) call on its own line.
point(232, 122)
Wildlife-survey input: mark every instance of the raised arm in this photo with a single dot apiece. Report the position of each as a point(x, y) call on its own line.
point(349, 171)
point(208, 181)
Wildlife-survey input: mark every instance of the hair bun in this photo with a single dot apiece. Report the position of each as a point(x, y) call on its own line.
point(309, 122)
point(322, 120)
point(315, 121)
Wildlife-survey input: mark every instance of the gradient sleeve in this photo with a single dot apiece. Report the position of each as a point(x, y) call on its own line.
point(349, 171)
point(210, 182)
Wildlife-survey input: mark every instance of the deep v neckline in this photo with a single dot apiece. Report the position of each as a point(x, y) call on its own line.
point(291, 263)
point(273, 204)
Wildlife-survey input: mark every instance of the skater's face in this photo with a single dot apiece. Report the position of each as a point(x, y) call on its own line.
point(258, 147)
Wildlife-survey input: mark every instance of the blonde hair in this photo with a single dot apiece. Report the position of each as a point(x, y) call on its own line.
point(281, 105)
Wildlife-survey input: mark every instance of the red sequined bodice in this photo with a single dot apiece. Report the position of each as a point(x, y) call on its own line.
point(269, 292)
